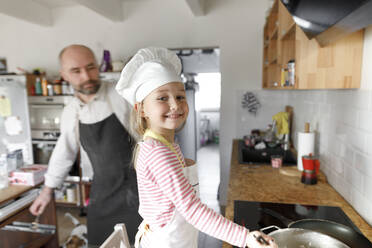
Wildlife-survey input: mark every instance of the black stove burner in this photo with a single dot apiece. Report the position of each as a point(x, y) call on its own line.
point(257, 215)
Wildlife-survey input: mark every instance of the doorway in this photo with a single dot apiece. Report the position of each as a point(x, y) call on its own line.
point(201, 74)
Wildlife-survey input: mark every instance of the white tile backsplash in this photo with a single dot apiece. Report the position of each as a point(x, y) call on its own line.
point(337, 165)
point(367, 187)
point(342, 120)
point(369, 144)
point(357, 139)
point(347, 153)
point(365, 120)
point(357, 180)
point(363, 163)
point(360, 99)
point(362, 205)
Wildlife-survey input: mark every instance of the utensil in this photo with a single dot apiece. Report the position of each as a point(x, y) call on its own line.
point(345, 234)
point(35, 223)
point(261, 239)
point(30, 227)
point(298, 237)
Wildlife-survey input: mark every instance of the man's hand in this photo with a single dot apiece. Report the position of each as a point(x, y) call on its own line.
point(38, 206)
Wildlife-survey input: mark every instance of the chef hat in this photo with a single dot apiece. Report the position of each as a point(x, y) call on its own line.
point(149, 69)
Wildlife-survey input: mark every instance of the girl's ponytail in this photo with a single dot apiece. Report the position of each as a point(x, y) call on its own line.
point(138, 124)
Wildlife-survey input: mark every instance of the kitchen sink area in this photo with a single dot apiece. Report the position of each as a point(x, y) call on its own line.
point(250, 155)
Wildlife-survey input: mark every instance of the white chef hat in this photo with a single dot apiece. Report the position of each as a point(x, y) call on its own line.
point(149, 69)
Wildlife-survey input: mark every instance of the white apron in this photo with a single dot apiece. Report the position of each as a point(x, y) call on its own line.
point(178, 233)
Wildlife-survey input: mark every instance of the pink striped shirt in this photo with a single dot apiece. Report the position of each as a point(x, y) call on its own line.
point(163, 188)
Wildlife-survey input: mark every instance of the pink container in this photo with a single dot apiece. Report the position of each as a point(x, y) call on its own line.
point(276, 161)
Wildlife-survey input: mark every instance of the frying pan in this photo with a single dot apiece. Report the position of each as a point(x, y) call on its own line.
point(298, 237)
point(338, 231)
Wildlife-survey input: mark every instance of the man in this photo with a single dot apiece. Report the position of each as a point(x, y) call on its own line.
point(96, 122)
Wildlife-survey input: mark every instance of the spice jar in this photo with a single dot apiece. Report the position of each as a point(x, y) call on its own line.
point(57, 87)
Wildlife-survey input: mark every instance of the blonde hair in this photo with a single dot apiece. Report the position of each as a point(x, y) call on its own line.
point(139, 125)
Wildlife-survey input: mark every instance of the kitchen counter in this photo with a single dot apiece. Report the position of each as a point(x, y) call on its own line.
point(263, 183)
point(22, 214)
point(13, 191)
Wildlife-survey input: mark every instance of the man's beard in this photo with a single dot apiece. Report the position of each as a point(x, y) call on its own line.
point(94, 87)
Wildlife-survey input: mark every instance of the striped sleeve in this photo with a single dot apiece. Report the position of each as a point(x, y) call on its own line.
point(166, 170)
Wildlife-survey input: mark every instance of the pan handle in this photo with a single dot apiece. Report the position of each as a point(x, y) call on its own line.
point(274, 214)
point(268, 228)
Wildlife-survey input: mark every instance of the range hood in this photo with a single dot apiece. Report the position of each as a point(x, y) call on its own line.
point(330, 20)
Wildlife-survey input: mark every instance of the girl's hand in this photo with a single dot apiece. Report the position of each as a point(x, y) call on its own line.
point(258, 239)
point(189, 162)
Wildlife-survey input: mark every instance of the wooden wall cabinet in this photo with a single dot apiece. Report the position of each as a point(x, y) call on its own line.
point(335, 66)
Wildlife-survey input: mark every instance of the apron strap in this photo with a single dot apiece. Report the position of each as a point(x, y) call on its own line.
point(159, 137)
point(142, 230)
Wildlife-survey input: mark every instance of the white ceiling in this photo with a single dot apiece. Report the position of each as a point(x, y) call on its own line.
point(40, 11)
point(55, 3)
point(61, 3)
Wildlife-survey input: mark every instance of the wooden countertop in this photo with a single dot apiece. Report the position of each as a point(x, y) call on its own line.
point(265, 184)
point(12, 192)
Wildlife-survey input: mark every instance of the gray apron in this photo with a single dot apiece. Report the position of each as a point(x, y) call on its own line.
point(114, 193)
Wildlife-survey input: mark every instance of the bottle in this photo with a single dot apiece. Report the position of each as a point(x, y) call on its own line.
point(70, 193)
point(32, 90)
point(64, 88)
point(106, 62)
point(269, 134)
point(57, 87)
point(38, 90)
point(44, 86)
point(70, 89)
point(283, 77)
point(291, 72)
point(50, 89)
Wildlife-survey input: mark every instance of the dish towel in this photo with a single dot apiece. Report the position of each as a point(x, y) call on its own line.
point(281, 120)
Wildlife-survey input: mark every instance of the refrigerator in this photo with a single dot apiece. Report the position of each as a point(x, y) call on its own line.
point(186, 137)
point(15, 131)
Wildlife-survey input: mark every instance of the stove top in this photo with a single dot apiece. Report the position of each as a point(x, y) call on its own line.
point(257, 215)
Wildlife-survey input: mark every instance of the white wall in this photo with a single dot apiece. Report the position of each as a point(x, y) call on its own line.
point(235, 26)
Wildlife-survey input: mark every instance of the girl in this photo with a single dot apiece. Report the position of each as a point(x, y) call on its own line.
point(171, 210)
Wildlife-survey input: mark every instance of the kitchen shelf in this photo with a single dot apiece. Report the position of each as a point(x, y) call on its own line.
point(316, 67)
point(288, 32)
point(64, 203)
point(50, 96)
point(274, 34)
point(281, 88)
point(273, 61)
